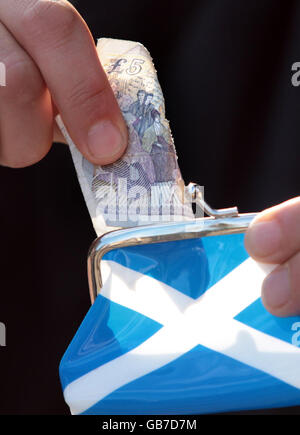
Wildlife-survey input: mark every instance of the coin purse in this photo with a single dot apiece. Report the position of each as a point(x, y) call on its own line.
point(177, 325)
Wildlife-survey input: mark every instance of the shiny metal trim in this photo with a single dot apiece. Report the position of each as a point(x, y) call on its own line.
point(194, 193)
point(158, 233)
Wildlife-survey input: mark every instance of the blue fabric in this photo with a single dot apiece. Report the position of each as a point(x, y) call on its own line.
point(256, 316)
point(199, 381)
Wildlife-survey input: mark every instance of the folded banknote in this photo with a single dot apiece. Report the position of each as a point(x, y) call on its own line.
point(144, 186)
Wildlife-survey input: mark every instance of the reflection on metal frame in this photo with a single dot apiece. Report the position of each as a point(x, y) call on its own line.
point(224, 221)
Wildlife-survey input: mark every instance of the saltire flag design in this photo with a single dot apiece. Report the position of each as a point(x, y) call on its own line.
point(179, 328)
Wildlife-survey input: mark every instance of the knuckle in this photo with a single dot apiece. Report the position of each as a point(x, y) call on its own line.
point(49, 22)
point(88, 96)
point(23, 80)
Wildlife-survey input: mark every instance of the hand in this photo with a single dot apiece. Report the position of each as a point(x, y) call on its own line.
point(274, 237)
point(52, 66)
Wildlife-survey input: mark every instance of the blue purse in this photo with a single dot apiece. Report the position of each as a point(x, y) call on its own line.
point(177, 325)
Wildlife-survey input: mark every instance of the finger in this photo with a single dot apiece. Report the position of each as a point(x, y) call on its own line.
point(274, 236)
point(57, 134)
point(281, 289)
point(60, 43)
point(26, 121)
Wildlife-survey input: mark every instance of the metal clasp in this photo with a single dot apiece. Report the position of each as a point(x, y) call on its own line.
point(195, 192)
point(222, 221)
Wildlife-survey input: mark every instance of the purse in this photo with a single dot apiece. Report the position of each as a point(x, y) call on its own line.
point(177, 325)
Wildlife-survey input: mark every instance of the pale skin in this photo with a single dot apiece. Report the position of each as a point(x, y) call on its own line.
point(274, 238)
point(52, 66)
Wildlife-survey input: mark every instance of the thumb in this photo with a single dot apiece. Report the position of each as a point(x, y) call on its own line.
point(274, 237)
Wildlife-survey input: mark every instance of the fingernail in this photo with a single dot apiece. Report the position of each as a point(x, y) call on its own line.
point(276, 288)
point(263, 238)
point(105, 140)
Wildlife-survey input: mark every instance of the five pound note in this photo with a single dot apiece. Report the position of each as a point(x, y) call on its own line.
point(145, 185)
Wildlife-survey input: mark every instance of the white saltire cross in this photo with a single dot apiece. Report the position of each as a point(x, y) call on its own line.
point(208, 321)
